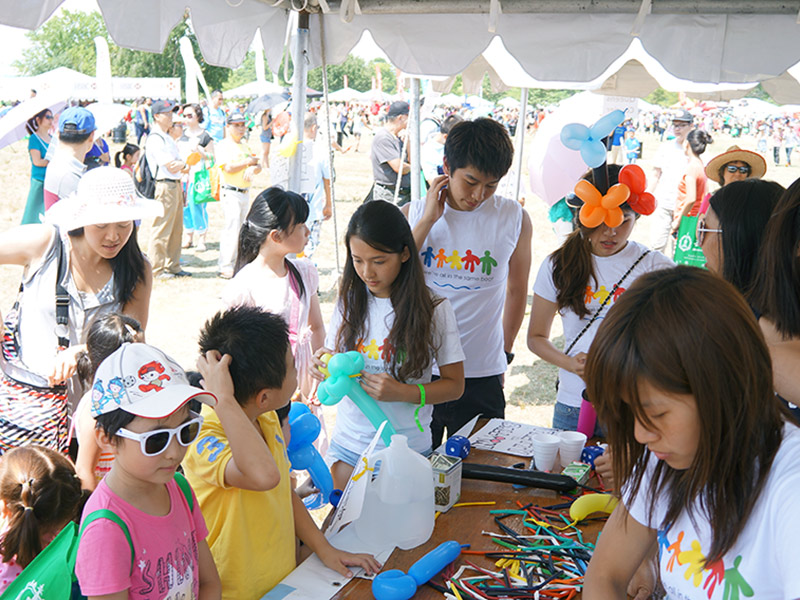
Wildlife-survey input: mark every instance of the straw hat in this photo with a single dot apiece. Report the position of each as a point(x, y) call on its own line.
point(758, 166)
point(104, 195)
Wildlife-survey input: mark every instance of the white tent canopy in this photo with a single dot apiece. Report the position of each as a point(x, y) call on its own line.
point(253, 89)
point(72, 84)
point(734, 41)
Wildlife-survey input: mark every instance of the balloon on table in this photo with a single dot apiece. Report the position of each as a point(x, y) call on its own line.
point(305, 428)
point(396, 585)
point(341, 382)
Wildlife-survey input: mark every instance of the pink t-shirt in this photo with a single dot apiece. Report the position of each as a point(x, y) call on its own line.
point(165, 561)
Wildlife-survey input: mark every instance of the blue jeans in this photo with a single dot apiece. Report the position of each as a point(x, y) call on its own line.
point(566, 417)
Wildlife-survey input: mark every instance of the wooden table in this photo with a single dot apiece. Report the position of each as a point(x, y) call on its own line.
point(466, 524)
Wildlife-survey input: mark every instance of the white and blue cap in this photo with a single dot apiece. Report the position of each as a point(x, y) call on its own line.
point(143, 381)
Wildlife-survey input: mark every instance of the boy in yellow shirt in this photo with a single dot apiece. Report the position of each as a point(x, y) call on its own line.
point(239, 468)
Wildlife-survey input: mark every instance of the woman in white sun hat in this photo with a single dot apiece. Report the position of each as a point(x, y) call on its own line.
point(87, 245)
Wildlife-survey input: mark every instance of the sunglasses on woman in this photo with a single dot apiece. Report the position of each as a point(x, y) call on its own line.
point(155, 442)
point(702, 230)
point(189, 115)
point(734, 168)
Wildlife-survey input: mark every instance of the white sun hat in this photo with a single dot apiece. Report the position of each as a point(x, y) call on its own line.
point(104, 195)
point(143, 381)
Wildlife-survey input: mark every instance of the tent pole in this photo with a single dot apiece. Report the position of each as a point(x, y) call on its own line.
point(414, 140)
point(328, 138)
point(299, 97)
point(520, 140)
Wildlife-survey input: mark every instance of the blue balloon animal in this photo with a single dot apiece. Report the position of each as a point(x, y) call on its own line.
point(305, 428)
point(341, 381)
point(577, 136)
point(396, 585)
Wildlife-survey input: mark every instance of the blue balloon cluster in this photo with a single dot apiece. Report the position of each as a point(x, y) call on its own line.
point(396, 585)
point(305, 428)
point(577, 136)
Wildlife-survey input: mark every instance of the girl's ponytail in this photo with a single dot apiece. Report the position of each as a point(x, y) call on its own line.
point(272, 209)
point(42, 493)
point(118, 159)
point(573, 270)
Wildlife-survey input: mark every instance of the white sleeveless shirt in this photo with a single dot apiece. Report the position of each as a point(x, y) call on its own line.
point(465, 259)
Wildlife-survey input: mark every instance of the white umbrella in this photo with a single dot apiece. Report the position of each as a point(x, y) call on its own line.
point(107, 115)
point(12, 124)
point(508, 102)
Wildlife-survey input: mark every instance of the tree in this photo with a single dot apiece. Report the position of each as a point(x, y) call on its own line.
point(662, 97)
point(63, 41)
point(359, 75)
point(68, 41)
point(135, 63)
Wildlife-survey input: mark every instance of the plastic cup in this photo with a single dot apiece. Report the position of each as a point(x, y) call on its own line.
point(571, 445)
point(545, 449)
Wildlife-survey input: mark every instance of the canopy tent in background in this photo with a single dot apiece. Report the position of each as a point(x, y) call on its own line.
point(72, 84)
point(254, 89)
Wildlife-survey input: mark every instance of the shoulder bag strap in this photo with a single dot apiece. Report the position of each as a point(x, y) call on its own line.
point(600, 309)
point(186, 489)
point(62, 296)
point(105, 513)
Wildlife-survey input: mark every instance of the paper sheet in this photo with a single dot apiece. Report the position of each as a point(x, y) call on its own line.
point(463, 432)
point(314, 581)
point(508, 437)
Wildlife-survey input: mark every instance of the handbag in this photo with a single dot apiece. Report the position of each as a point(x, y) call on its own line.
point(203, 191)
point(32, 411)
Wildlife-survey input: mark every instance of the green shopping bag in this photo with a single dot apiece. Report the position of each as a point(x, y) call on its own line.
point(202, 185)
point(687, 250)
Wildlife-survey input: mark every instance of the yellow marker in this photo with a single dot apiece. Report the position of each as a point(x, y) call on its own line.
point(462, 504)
point(454, 590)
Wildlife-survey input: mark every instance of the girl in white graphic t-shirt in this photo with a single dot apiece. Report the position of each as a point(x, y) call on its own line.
point(682, 380)
point(386, 312)
point(584, 278)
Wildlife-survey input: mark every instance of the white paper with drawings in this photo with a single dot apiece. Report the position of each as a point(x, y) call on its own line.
point(352, 500)
point(463, 432)
point(508, 437)
point(312, 580)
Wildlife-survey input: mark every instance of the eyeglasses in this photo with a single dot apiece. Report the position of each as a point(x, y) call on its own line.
point(677, 124)
point(155, 442)
point(189, 115)
point(702, 230)
point(734, 168)
point(48, 117)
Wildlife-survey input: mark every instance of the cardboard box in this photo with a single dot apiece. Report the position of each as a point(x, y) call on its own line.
point(446, 480)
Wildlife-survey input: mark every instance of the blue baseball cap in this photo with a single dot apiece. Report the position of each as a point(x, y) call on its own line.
point(76, 119)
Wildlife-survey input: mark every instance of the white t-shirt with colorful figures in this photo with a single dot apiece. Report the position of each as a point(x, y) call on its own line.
point(465, 259)
point(353, 430)
point(761, 564)
point(608, 271)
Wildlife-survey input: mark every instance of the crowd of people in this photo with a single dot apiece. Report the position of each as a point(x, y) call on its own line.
point(692, 372)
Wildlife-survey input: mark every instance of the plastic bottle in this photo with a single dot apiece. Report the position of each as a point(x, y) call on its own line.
point(398, 506)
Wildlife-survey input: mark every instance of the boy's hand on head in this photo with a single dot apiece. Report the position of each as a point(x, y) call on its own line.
point(339, 561)
point(215, 370)
point(436, 198)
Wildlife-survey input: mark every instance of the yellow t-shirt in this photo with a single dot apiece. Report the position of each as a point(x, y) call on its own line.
point(228, 151)
point(251, 534)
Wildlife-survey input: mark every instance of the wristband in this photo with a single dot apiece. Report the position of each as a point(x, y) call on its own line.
point(421, 404)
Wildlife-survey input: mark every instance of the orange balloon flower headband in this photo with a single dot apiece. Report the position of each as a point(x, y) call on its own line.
point(605, 208)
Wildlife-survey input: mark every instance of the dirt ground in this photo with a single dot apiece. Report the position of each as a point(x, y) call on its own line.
point(179, 307)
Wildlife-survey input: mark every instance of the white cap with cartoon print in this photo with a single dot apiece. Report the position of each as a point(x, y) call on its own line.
point(143, 381)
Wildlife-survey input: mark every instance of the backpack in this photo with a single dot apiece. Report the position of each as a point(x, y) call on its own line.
point(51, 575)
point(143, 178)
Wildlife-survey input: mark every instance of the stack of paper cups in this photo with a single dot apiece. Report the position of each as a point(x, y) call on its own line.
point(571, 446)
point(545, 449)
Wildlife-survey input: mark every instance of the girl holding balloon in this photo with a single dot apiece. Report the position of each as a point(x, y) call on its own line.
point(386, 313)
point(585, 277)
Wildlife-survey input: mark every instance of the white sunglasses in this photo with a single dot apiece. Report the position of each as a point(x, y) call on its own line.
point(155, 442)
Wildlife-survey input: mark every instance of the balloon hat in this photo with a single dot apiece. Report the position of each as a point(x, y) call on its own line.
point(601, 203)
